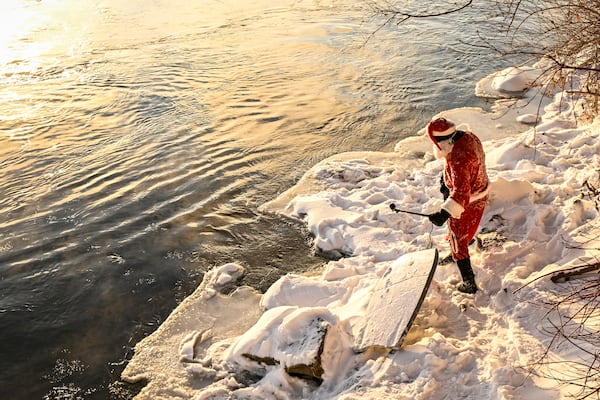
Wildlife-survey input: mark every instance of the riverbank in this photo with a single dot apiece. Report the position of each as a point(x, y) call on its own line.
point(490, 345)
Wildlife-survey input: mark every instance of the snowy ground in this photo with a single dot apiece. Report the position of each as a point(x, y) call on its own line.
point(541, 217)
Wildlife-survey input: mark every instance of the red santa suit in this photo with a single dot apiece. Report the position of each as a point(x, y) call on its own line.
point(466, 178)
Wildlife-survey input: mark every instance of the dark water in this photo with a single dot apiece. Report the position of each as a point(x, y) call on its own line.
point(139, 138)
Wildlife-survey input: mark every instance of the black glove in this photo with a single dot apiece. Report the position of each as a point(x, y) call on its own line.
point(439, 217)
point(443, 188)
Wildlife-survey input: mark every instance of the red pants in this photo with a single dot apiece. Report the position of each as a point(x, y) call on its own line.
point(462, 230)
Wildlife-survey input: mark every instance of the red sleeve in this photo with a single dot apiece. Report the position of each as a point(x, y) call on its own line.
point(460, 169)
point(464, 173)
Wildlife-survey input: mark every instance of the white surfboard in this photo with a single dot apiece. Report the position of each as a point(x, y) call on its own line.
point(396, 300)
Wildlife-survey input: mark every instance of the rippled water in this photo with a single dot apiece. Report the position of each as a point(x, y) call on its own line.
point(138, 139)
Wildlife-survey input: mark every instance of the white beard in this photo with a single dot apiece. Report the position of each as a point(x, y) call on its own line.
point(444, 149)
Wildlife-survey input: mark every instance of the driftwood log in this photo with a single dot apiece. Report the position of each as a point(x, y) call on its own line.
point(566, 275)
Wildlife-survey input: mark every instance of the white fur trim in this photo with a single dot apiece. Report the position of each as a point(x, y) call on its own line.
point(478, 196)
point(447, 132)
point(454, 209)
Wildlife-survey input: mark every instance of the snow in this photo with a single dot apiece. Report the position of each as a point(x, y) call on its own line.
point(460, 346)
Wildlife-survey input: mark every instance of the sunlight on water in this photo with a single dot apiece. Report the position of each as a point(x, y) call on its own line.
point(17, 21)
point(36, 35)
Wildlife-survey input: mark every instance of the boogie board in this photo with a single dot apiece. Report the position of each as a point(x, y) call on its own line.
point(395, 301)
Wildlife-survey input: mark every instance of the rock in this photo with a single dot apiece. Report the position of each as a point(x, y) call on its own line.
point(299, 354)
point(314, 370)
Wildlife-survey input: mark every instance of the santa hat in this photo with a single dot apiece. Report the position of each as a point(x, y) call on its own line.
point(440, 129)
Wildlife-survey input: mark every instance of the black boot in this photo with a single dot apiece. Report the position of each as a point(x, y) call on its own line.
point(468, 284)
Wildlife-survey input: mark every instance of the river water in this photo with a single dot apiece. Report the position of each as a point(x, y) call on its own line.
point(139, 138)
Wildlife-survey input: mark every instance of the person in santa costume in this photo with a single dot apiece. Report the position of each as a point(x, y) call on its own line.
point(465, 187)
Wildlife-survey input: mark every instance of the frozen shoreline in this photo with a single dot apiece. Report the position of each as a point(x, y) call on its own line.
point(536, 206)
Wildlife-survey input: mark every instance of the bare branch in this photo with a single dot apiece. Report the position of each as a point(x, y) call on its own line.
point(404, 15)
point(398, 16)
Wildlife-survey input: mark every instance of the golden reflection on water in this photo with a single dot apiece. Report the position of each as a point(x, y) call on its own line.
point(16, 22)
point(30, 32)
point(86, 84)
point(220, 88)
point(265, 57)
